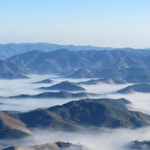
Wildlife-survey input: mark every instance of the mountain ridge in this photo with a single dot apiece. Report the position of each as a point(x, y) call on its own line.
point(72, 116)
point(145, 88)
point(86, 113)
point(117, 65)
point(11, 49)
point(75, 60)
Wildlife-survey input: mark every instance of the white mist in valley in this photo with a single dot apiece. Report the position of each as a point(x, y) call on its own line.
point(139, 101)
point(105, 139)
point(27, 104)
point(22, 86)
point(104, 88)
point(30, 87)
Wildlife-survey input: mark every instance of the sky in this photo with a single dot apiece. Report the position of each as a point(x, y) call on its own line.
point(104, 23)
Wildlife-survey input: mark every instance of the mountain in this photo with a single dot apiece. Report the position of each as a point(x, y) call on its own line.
point(11, 49)
point(61, 94)
point(72, 116)
point(145, 88)
point(9, 70)
point(11, 127)
point(44, 81)
point(65, 86)
point(117, 65)
point(39, 62)
point(49, 146)
point(114, 80)
point(114, 75)
point(86, 113)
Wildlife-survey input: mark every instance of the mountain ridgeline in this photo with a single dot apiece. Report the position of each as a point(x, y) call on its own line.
point(110, 65)
point(82, 110)
point(144, 88)
point(72, 116)
point(12, 49)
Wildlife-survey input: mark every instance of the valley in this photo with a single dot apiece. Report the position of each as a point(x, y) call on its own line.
point(44, 102)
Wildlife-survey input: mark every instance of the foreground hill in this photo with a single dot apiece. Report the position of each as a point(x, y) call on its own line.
point(86, 113)
point(49, 146)
point(127, 66)
point(11, 127)
point(111, 80)
point(145, 88)
point(72, 116)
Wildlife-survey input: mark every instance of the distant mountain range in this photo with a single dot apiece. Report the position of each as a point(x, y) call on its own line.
point(11, 49)
point(11, 70)
point(112, 66)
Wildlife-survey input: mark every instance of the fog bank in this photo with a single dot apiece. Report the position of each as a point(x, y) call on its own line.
point(105, 139)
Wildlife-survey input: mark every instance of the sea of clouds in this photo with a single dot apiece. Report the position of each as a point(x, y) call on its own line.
point(104, 139)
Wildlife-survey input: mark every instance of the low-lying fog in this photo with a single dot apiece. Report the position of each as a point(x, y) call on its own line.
point(105, 139)
point(29, 86)
point(140, 101)
point(108, 139)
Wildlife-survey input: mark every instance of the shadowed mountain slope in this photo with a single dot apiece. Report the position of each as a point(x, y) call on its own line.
point(72, 116)
point(11, 49)
point(127, 66)
point(86, 113)
point(11, 127)
point(65, 86)
point(61, 94)
point(145, 88)
point(9, 70)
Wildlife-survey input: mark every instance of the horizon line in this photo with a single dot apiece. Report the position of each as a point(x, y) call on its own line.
point(80, 45)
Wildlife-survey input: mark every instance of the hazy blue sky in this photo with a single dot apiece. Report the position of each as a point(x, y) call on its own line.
point(115, 23)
